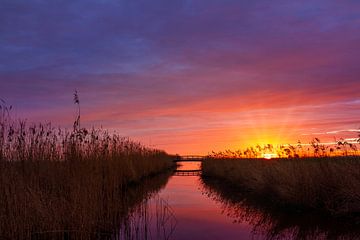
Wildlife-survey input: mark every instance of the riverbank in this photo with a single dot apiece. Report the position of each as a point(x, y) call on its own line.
point(82, 181)
point(330, 185)
point(269, 221)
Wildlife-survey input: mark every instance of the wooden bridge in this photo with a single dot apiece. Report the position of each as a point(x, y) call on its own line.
point(187, 172)
point(189, 158)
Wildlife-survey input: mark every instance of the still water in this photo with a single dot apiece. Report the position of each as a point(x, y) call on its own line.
point(189, 207)
point(197, 216)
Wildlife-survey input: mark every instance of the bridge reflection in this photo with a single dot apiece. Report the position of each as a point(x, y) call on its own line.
point(187, 168)
point(187, 173)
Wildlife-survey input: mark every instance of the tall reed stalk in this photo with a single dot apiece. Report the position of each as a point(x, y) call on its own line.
point(53, 179)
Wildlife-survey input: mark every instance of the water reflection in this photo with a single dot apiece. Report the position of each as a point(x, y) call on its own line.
point(275, 223)
point(188, 166)
point(152, 219)
point(188, 169)
point(143, 223)
point(198, 217)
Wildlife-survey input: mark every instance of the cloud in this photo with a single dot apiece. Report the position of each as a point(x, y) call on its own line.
point(154, 65)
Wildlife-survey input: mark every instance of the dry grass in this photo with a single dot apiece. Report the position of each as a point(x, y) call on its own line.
point(327, 184)
point(340, 147)
point(273, 222)
point(57, 180)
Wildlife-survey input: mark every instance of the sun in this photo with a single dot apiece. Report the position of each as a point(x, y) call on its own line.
point(269, 155)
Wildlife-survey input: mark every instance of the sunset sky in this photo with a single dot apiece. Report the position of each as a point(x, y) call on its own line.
point(186, 76)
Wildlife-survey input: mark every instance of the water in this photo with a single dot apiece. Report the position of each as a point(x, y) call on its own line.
point(197, 208)
point(197, 215)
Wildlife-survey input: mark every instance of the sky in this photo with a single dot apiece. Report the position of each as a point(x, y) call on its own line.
point(186, 76)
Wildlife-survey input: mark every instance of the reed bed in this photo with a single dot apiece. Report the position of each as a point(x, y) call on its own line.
point(340, 147)
point(272, 222)
point(56, 180)
point(328, 184)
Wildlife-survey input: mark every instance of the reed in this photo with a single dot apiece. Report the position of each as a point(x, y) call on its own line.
point(329, 184)
point(340, 147)
point(272, 222)
point(79, 180)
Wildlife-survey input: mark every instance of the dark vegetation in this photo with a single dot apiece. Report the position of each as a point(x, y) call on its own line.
point(80, 181)
point(322, 177)
point(340, 147)
point(328, 184)
point(276, 222)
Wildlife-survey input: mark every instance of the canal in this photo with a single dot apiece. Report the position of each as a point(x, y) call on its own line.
point(191, 207)
point(193, 213)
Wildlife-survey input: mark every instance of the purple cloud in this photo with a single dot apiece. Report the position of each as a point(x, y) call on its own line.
point(145, 67)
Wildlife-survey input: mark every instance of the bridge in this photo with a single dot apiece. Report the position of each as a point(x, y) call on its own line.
point(187, 172)
point(189, 158)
